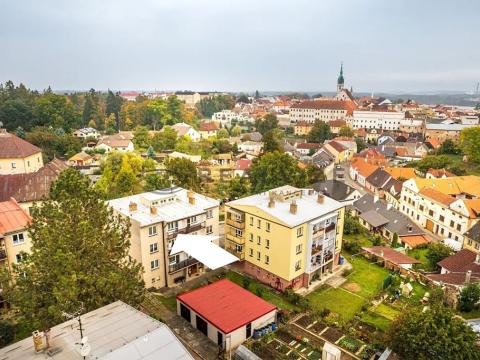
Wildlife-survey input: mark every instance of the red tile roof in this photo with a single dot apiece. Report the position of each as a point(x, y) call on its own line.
point(337, 123)
point(11, 146)
point(414, 240)
point(208, 126)
point(462, 261)
point(436, 195)
point(391, 255)
point(337, 146)
point(348, 106)
point(439, 173)
point(454, 278)
point(243, 164)
point(226, 305)
point(12, 217)
point(308, 146)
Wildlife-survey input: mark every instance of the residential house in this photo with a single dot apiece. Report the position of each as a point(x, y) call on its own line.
point(156, 218)
point(14, 239)
point(191, 98)
point(117, 142)
point(443, 131)
point(287, 237)
point(458, 270)
point(302, 128)
point(391, 192)
point(307, 149)
point(183, 129)
point(178, 155)
point(472, 238)
point(392, 259)
point(251, 148)
point(347, 142)
point(323, 110)
point(208, 129)
point(31, 188)
point(378, 120)
point(339, 151)
point(242, 166)
point(80, 159)
point(411, 125)
point(400, 173)
point(372, 156)
point(114, 331)
point(438, 174)
point(87, 132)
point(336, 125)
point(376, 181)
point(225, 312)
point(337, 190)
point(360, 169)
point(381, 217)
point(18, 156)
point(447, 207)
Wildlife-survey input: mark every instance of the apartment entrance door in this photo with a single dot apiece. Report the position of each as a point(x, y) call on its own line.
point(429, 225)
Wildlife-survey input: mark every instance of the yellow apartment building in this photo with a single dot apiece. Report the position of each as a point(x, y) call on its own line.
point(156, 218)
point(14, 240)
point(287, 237)
point(472, 238)
point(18, 156)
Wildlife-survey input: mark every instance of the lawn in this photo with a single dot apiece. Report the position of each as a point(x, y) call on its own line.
point(378, 321)
point(266, 292)
point(386, 311)
point(361, 239)
point(169, 301)
point(337, 300)
point(366, 278)
point(475, 314)
point(421, 255)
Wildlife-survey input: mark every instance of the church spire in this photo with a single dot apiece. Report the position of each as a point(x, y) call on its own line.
point(340, 80)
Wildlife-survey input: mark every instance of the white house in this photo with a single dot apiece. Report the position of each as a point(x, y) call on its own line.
point(184, 129)
point(382, 120)
point(86, 132)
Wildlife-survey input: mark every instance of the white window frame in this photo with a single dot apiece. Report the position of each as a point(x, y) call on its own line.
point(154, 264)
point(152, 230)
point(209, 214)
point(153, 248)
point(172, 226)
point(209, 229)
point(18, 239)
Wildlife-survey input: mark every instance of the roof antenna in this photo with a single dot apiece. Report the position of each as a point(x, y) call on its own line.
point(85, 347)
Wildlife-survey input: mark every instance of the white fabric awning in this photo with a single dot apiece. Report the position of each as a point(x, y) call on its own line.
point(203, 249)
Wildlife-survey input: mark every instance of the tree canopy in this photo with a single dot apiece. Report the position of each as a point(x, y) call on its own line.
point(78, 259)
point(319, 132)
point(269, 122)
point(183, 173)
point(432, 334)
point(469, 142)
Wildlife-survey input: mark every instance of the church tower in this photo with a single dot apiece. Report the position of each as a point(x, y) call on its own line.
point(340, 80)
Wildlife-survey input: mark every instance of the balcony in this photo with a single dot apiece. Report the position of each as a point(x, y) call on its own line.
point(185, 230)
point(236, 224)
point(316, 249)
point(3, 255)
point(181, 265)
point(330, 227)
point(233, 250)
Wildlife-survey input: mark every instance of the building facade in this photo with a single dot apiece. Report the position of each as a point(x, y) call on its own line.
point(156, 218)
point(323, 110)
point(379, 120)
point(18, 156)
point(287, 237)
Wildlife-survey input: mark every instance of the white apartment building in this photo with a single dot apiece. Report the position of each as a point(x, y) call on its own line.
point(225, 117)
point(324, 110)
point(447, 207)
point(380, 120)
point(157, 217)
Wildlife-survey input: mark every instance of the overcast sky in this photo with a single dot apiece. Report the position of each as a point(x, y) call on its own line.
point(241, 45)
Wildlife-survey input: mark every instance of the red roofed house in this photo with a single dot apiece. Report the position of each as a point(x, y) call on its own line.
point(242, 166)
point(307, 148)
point(13, 235)
point(392, 259)
point(360, 170)
point(341, 152)
point(208, 129)
point(458, 269)
point(18, 156)
point(438, 174)
point(336, 125)
point(225, 312)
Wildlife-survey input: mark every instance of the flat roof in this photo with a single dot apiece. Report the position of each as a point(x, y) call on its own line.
point(226, 305)
point(115, 331)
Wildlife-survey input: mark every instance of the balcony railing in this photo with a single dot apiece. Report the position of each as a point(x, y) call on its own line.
point(3, 254)
point(316, 249)
point(186, 230)
point(237, 224)
point(233, 250)
point(330, 227)
point(181, 265)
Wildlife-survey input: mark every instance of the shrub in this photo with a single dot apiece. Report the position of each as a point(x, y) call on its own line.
point(246, 282)
point(7, 332)
point(325, 312)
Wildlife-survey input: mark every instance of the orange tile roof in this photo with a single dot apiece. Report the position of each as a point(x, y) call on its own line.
point(414, 240)
point(12, 146)
point(438, 196)
point(363, 168)
point(12, 217)
point(208, 126)
point(439, 173)
point(473, 206)
point(401, 172)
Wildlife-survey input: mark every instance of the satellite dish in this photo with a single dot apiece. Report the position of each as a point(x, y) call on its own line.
point(84, 339)
point(85, 349)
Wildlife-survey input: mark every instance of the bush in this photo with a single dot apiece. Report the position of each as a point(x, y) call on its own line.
point(352, 247)
point(7, 333)
point(469, 296)
point(325, 312)
point(246, 282)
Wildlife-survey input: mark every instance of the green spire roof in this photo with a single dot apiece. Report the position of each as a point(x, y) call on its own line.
point(340, 77)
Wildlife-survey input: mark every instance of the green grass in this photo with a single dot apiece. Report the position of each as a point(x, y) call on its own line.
point(337, 300)
point(367, 275)
point(386, 311)
point(378, 321)
point(475, 314)
point(421, 255)
point(267, 293)
point(362, 239)
point(169, 301)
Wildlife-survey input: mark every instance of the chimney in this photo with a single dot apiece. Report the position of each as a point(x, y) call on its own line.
point(293, 207)
point(153, 210)
point(132, 207)
point(320, 198)
point(468, 276)
point(389, 206)
point(271, 203)
point(37, 341)
point(191, 197)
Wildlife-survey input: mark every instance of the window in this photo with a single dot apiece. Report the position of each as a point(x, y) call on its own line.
point(267, 259)
point(14, 165)
point(251, 220)
point(153, 248)
point(209, 214)
point(154, 264)
point(238, 248)
point(251, 237)
point(173, 226)
point(298, 265)
point(452, 224)
point(20, 257)
point(172, 260)
point(268, 227)
point(250, 252)
point(259, 240)
point(259, 223)
point(191, 221)
point(258, 255)
point(430, 212)
point(18, 239)
point(238, 233)
point(298, 249)
point(299, 232)
point(459, 227)
point(209, 229)
point(152, 230)
point(267, 243)
point(442, 218)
